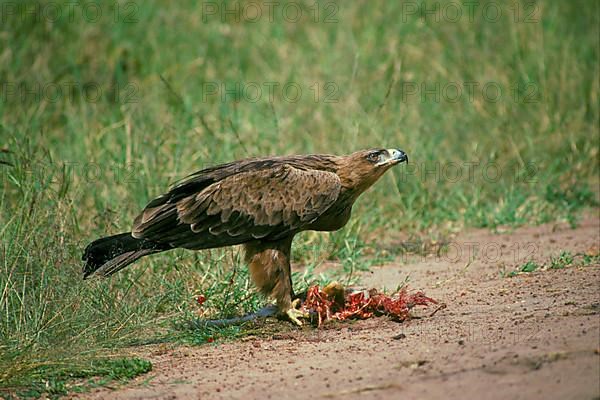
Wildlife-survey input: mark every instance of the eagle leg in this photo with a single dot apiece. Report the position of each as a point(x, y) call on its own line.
point(269, 264)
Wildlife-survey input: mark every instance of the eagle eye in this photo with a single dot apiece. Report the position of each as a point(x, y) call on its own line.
point(373, 156)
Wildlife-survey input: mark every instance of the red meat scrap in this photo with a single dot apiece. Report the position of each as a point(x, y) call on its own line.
point(337, 302)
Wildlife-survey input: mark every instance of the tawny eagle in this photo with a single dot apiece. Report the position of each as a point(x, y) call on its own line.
point(258, 202)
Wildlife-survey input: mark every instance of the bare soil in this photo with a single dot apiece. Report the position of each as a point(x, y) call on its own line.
point(531, 336)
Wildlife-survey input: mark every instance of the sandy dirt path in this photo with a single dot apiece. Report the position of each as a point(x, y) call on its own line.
point(531, 336)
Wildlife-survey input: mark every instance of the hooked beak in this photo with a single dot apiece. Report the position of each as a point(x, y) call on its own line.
point(395, 156)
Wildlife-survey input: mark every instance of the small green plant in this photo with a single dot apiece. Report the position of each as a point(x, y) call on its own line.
point(591, 259)
point(528, 267)
point(563, 260)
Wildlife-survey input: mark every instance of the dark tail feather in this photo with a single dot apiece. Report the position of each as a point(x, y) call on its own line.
point(110, 254)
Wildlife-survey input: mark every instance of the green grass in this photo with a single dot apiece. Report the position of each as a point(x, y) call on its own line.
point(73, 169)
point(564, 259)
point(55, 380)
point(529, 266)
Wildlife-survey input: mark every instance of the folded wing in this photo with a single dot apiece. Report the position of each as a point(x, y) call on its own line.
point(264, 204)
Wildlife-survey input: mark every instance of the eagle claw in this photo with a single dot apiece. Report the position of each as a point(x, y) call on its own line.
point(293, 313)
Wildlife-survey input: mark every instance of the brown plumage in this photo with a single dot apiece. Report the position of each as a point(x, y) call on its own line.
point(260, 203)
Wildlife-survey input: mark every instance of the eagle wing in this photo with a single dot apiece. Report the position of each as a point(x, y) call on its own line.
point(269, 203)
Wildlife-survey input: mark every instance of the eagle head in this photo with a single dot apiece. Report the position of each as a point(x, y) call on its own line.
point(359, 170)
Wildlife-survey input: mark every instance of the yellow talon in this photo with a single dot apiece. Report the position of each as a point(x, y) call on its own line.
point(293, 313)
point(295, 303)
